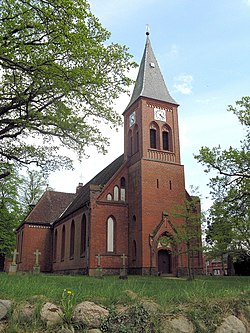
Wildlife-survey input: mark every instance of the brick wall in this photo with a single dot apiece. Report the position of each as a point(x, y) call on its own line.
point(30, 238)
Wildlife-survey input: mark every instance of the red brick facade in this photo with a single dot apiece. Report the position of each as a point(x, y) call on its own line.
point(128, 208)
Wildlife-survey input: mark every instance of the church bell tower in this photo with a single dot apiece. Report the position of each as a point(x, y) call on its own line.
point(155, 174)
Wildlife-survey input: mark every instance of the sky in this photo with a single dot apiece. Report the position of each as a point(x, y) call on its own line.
point(203, 50)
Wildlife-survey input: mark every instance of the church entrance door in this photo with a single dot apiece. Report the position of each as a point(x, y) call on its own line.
point(164, 262)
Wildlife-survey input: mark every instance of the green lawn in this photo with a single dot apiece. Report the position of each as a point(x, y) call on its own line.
point(112, 290)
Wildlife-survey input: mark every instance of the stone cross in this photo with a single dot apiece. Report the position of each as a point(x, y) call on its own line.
point(124, 257)
point(15, 253)
point(37, 254)
point(98, 256)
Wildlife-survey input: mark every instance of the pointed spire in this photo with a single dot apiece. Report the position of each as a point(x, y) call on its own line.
point(150, 82)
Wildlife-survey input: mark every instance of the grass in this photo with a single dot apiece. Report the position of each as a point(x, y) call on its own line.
point(205, 301)
point(111, 290)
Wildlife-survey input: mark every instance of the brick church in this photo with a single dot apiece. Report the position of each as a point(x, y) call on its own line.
point(125, 210)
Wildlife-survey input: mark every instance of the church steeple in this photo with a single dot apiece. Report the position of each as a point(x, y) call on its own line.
point(150, 82)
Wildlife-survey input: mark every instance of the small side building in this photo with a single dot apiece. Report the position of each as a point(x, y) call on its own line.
point(35, 233)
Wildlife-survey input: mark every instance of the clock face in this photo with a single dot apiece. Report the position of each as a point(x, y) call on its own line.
point(132, 119)
point(160, 114)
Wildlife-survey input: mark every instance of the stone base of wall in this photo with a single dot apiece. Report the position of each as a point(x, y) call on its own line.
point(79, 271)
point(183, 271)
point(103, 271)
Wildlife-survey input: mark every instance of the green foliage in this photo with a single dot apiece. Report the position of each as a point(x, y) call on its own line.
point(229, 217)
point(31, 188)
point(59, 78)
point(201, 300)
point(67, 304)
point(10, 211)
point(135, 320)
point(187, 234)
point(16, 194)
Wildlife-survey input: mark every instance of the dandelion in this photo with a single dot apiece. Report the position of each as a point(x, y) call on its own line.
point(67, 306)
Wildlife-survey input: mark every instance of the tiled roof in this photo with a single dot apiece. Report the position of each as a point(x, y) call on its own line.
point(100, 179)
point(49, 207)
point(150, 82)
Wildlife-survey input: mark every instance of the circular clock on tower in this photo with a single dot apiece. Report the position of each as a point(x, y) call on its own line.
point(160, 114)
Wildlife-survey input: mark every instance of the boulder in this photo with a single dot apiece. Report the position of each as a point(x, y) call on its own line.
point(231, 324)
point(66, 330)
point(151, 306)
point(51, 314)
point(5, 305)
point(179, 324)
point(2, 326)
point(24, 312)
point(90, 314)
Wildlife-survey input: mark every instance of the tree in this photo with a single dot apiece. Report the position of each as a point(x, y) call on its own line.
point(58, 80)
point(187, 235)
point(31, 189)
point(229, 216)
point(10, 212)
point(16, 194)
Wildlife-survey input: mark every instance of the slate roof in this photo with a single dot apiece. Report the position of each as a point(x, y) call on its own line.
point(100, 179)
point(150, 82)
point(49, 207)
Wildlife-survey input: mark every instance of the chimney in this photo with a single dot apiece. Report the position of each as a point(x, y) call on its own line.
point(78, 188)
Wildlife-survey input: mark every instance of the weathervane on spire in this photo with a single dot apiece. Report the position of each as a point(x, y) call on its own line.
point(147, 29)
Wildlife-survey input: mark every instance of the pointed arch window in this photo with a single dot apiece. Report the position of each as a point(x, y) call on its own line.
point(72, 240)
point(123, 189)
point(130, 143)
point(116, 193)
point(83, 236)
point(63, 243)
point(136, 139)
point(166, 138)
point(110, 234)
point(154, 136)
point(109, 197)
point(55, 246)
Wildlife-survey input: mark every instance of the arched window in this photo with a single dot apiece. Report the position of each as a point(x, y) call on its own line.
point(55, 246)
point(109, 197)
point(166, 138)
point(134, 219)
point(72, 240)
point(154, 136)
point(63, 243)
point(123, 189)
point(110, 234)
point(136, 139)
point(116, 193)
point(83, 235)
point(130, 143)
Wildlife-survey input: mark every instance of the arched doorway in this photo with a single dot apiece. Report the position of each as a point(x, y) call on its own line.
point(164, 262)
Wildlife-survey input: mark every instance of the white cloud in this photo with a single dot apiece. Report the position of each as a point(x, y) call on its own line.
point(247, 2)
point(174, 51)
point(183, 84)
